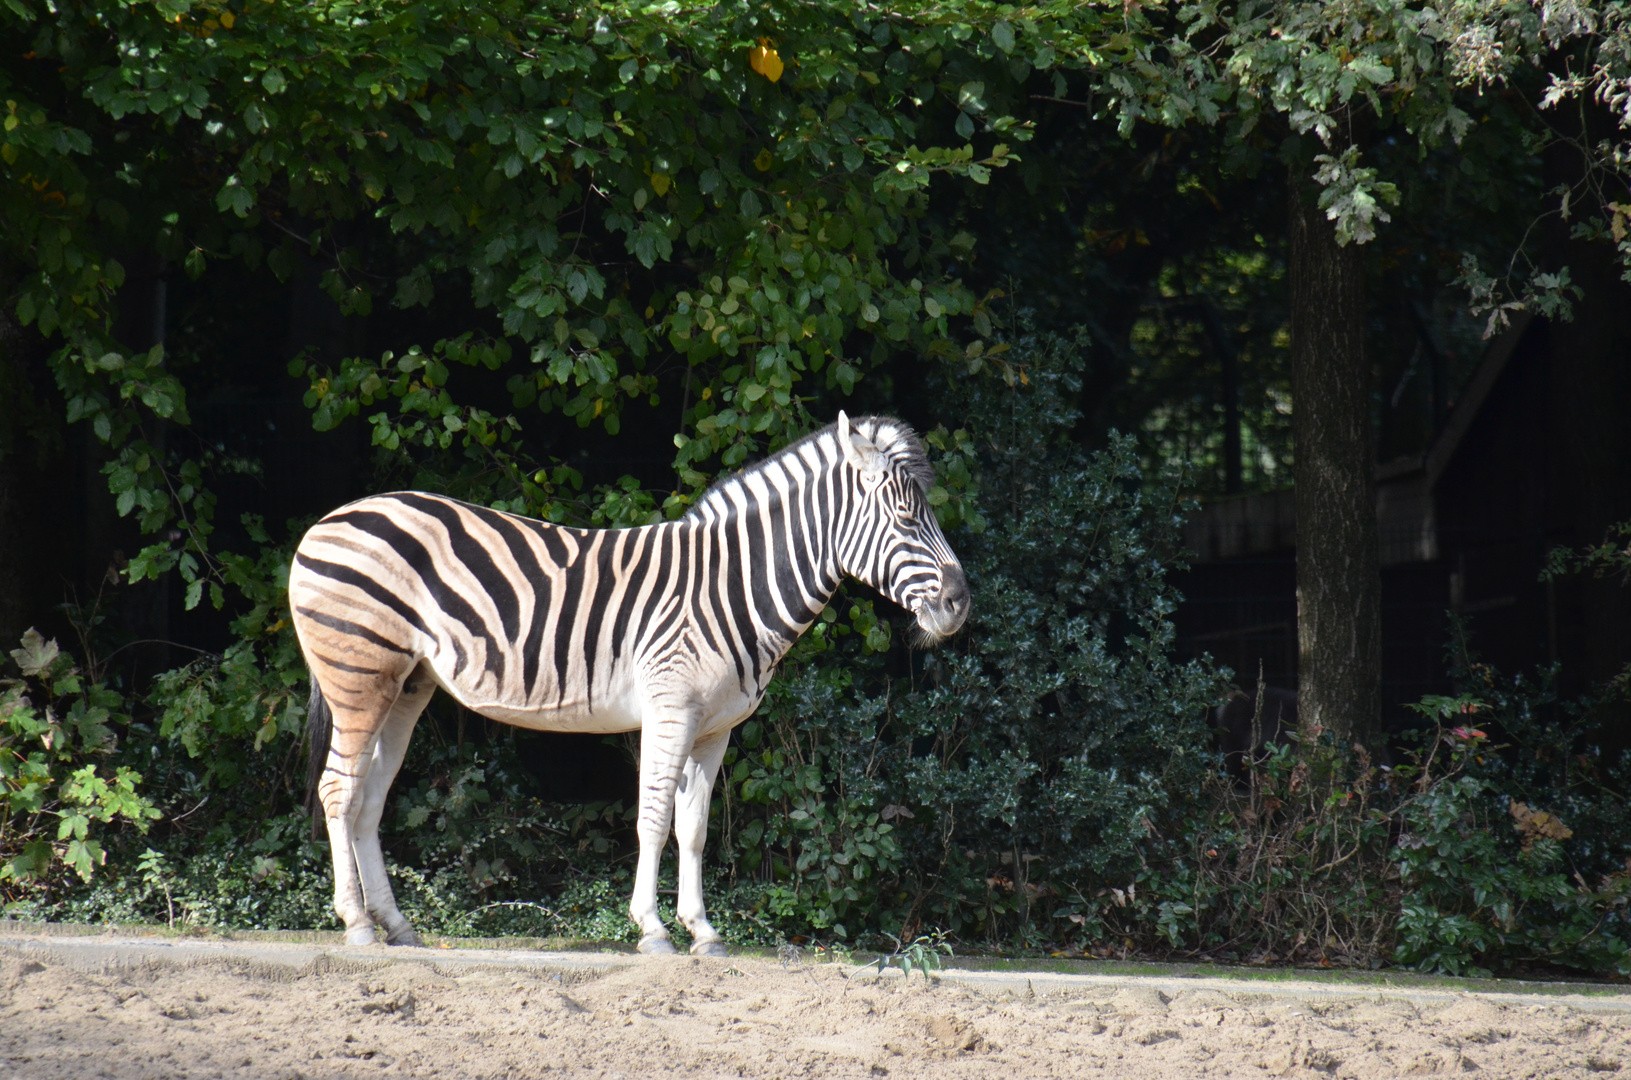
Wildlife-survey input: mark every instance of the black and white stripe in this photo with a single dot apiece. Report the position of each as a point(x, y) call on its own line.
point(673, 628)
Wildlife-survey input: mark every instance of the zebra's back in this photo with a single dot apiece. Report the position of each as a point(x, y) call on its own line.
point(527, 622)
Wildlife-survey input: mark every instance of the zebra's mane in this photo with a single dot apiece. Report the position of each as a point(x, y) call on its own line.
point(893, 438)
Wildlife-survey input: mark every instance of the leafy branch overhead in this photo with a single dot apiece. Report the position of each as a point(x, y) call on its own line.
point(1347, 93)
point(738, 189)
point(738, 192)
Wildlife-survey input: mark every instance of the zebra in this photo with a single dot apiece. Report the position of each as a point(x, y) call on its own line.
point(672, 629)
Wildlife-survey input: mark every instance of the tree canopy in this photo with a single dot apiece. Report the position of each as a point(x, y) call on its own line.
point(738, 192)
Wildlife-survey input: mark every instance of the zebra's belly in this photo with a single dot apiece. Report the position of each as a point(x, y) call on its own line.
point(707, 686)
point(606, 710)
point(610, 714)
point(613, 708)
point(603, 719)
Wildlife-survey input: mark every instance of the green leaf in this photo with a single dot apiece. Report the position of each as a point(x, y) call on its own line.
point(971, 97)
point(84, 856)
point(36, 655)
point(235, 198)
point(72, 824)
point(1371, 68)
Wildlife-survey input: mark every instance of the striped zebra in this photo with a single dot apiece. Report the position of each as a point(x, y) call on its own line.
point(673, 629)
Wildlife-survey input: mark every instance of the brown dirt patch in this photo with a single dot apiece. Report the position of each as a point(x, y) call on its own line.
point(740, 1017)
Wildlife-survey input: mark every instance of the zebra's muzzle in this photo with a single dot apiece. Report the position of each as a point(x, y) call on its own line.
point(944, 615)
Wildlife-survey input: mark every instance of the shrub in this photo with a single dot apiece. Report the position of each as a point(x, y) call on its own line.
point(979, 788)
point(1489, 878)
point(58, 795)
point(1046, 782)
point(1294, 867)
point(1436, 864)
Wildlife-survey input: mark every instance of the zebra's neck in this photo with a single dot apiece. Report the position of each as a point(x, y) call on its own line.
point(774, 527)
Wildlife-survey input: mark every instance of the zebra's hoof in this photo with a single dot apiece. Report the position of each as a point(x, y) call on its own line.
point(710, 948)
point(406, 937)
point(361, 935)
point(654, 945)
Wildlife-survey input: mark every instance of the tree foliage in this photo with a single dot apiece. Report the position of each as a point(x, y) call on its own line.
point(614, 189)
point(1359, 97)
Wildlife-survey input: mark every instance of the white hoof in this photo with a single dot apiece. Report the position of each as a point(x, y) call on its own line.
point(657, 945)
point(716, 947)
point(361, 935)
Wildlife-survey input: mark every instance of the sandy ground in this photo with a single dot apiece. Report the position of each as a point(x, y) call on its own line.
point(336, 1017)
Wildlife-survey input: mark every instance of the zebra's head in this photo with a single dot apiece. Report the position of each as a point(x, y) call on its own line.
point(895, 543)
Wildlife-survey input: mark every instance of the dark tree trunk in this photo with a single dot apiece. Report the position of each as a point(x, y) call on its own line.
point(1339, 589)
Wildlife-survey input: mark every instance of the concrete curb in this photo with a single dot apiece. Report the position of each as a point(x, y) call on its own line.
point(100, 953)
point(291, 960)
point(1262, 991)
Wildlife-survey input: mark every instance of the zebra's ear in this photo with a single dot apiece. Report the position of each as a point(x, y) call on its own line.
point(858, 449)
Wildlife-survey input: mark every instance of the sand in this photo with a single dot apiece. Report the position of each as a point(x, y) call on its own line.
point(741, 1017)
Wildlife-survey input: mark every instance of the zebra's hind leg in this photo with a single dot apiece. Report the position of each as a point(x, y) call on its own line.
point(361, 708)
point(665, 746)
point(389, 750)
point(348, 899)
point(690, 833)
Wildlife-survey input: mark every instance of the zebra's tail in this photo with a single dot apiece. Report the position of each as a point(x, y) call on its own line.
point(319, 730)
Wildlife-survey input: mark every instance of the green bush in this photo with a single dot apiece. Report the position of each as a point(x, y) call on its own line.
point(208, 884)
point(979, 789)
point(58, 793)
point(1046, 782)
point(1489, 878)
point(1435, 864)
point(1294, 868)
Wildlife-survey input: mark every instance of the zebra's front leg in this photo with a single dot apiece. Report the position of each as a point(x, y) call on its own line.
point(665, 746)
point(691, 833)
